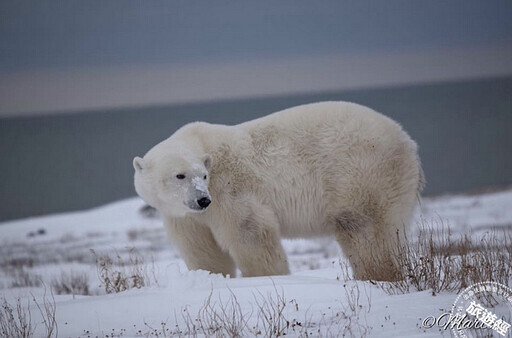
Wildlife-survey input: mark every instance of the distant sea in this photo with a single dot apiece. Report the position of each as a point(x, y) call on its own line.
point(65, 162)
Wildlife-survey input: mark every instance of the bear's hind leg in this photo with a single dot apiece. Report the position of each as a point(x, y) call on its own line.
point(198, 247)
point(368, 252)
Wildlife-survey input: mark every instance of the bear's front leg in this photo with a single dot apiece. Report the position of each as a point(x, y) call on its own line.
point(257, 248)
point(198, 248)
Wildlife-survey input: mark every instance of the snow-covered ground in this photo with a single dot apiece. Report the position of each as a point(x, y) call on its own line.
point(316, 297)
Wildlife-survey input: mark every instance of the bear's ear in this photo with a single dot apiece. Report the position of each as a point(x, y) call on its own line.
point(207, 160)
point(138, 163)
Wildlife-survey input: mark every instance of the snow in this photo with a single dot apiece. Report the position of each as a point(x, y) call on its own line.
point(315, 293)
point(472, 212)
point(200, 184)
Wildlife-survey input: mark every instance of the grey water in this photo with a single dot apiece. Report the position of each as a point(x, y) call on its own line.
point(65, 162)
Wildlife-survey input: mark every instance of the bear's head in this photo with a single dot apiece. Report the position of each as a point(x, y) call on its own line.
point(173, 181)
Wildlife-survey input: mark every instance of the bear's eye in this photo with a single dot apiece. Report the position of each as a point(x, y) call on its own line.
point(204, 178)
point(180, 176)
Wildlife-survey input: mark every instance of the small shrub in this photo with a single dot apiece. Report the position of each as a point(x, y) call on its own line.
point(71, 283)
point(15, 320)
point(48, 310)
point(220, 319)
point(270, 314)
point(438, 261)
point(117, 275)
point(268, 317)
point(23, 278)
point(227, 319)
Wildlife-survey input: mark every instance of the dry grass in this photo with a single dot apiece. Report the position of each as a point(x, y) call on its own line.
point(19, 269)
point(271, 315)
point(439, 261)
point(352, 317)
point(348, 319)
point(117, 274)
point(22, 278)
point(216, 319)
point(15, 320)
point(48, 310)
point(71, 283)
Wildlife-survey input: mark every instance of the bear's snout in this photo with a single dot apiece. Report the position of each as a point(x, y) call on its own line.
point(204, 202)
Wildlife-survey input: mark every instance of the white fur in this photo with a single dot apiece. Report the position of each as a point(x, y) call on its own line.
point(331, 168)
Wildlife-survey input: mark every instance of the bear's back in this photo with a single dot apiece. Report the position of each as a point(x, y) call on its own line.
point(310, 154)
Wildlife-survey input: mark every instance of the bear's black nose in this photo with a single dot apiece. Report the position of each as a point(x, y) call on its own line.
point(204, 202)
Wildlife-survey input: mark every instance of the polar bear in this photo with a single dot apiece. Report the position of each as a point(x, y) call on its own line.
point(228, 194)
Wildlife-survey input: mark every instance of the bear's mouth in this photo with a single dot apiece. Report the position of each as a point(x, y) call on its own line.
point(199, 205)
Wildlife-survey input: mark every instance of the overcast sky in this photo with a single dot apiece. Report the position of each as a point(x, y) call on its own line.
point(97, 35)
point(70, 33)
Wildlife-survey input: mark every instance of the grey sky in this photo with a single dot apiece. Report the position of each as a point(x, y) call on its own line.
point(40, 34)
point(65, 56)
